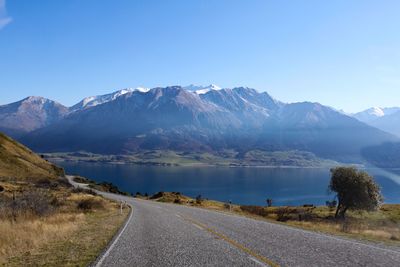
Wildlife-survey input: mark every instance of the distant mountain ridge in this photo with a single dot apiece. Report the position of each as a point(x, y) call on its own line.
point(204, 119)
point(30, 114)
point(386, 119)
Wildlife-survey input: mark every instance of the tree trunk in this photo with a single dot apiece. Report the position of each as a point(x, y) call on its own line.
point(343, 212)
point(337, 210)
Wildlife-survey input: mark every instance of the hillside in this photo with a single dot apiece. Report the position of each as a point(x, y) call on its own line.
point(43, 218)
point(17, 161)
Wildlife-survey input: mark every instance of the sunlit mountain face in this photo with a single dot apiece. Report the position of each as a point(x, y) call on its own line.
point(191, 118)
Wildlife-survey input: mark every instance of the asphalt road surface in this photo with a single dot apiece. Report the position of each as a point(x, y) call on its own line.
point(161, 234)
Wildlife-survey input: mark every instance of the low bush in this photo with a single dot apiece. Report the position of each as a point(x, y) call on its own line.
point(177, 201)
point(46, 183)
point(62, 181)
point(80, 190)
point(81, 180)
point(89, 204)
point(35, 202)
point(257, 210)
point(285, 213)
point(157, 195)
point(199, 199)
point(1, 189)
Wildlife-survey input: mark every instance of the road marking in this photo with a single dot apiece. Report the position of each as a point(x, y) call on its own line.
point(99, 263)
point(258, 257)
point(258, 262)
point(177, 215)
point(195, 225)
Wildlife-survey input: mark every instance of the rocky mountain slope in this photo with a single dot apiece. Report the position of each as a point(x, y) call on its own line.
point(175, 118)
point(30, 114)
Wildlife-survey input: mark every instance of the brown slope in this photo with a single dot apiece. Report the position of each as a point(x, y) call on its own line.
point(17, 161)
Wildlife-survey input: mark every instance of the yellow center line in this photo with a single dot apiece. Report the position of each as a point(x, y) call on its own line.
point(233, 243)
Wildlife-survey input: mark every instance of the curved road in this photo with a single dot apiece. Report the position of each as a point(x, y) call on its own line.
point(161, 234)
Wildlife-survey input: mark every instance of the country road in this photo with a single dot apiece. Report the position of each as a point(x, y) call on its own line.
point(160, 234)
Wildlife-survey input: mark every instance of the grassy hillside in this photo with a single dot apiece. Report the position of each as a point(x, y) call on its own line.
point(17, 161)
point(44, 221)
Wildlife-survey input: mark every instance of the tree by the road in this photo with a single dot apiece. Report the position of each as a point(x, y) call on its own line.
point(356, 190)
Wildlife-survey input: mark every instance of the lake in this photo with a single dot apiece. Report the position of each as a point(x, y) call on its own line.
point(286, 186)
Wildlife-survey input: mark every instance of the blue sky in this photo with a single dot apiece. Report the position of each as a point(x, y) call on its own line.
point(345, 54)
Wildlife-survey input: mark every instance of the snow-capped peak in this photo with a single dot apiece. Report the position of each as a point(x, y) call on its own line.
point(376, 111)
point(201, 89)
point(142, 89)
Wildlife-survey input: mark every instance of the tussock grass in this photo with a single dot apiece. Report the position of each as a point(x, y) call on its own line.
point(19, 162)
point(54, 226)
point(43, 221)
point(25, 236)
point(382, 225)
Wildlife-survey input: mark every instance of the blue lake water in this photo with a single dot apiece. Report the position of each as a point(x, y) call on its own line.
point(286, 186)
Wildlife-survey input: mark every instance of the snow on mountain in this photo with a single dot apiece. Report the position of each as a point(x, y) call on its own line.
point(200, 90)
point(92, 101)
point(29, 114)
point(375, 113)
point(386, 119)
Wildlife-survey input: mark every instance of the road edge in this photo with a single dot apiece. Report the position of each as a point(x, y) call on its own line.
point(106, 250)
point(103, 254)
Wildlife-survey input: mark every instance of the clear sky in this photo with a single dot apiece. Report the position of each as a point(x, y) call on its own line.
point(345, 54)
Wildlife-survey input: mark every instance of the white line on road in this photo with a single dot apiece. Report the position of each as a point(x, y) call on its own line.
point(197, 226)
point(115, 240)
point(177, 215)
point(258, 262)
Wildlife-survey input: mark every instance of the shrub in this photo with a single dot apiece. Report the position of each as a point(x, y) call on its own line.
point(46, 183)
point(285, 213)
point(157, 195)
point(1, 188)
point(62, 181)
point(80, 190)
point(89, 204)
point(257, 210)
point(81, 180)
point(199, 199)
point(35, 202)
point(177, 201)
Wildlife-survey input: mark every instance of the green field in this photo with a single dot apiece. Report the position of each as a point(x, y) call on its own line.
point(222, 158)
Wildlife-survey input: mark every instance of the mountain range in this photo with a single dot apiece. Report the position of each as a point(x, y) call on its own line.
point(386, 119)
point(191, 118)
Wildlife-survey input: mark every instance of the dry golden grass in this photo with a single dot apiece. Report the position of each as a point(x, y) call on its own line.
point(25, 236)
point(42, 222)
point(382, 225)
point(68, 237)
point(19, 162)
